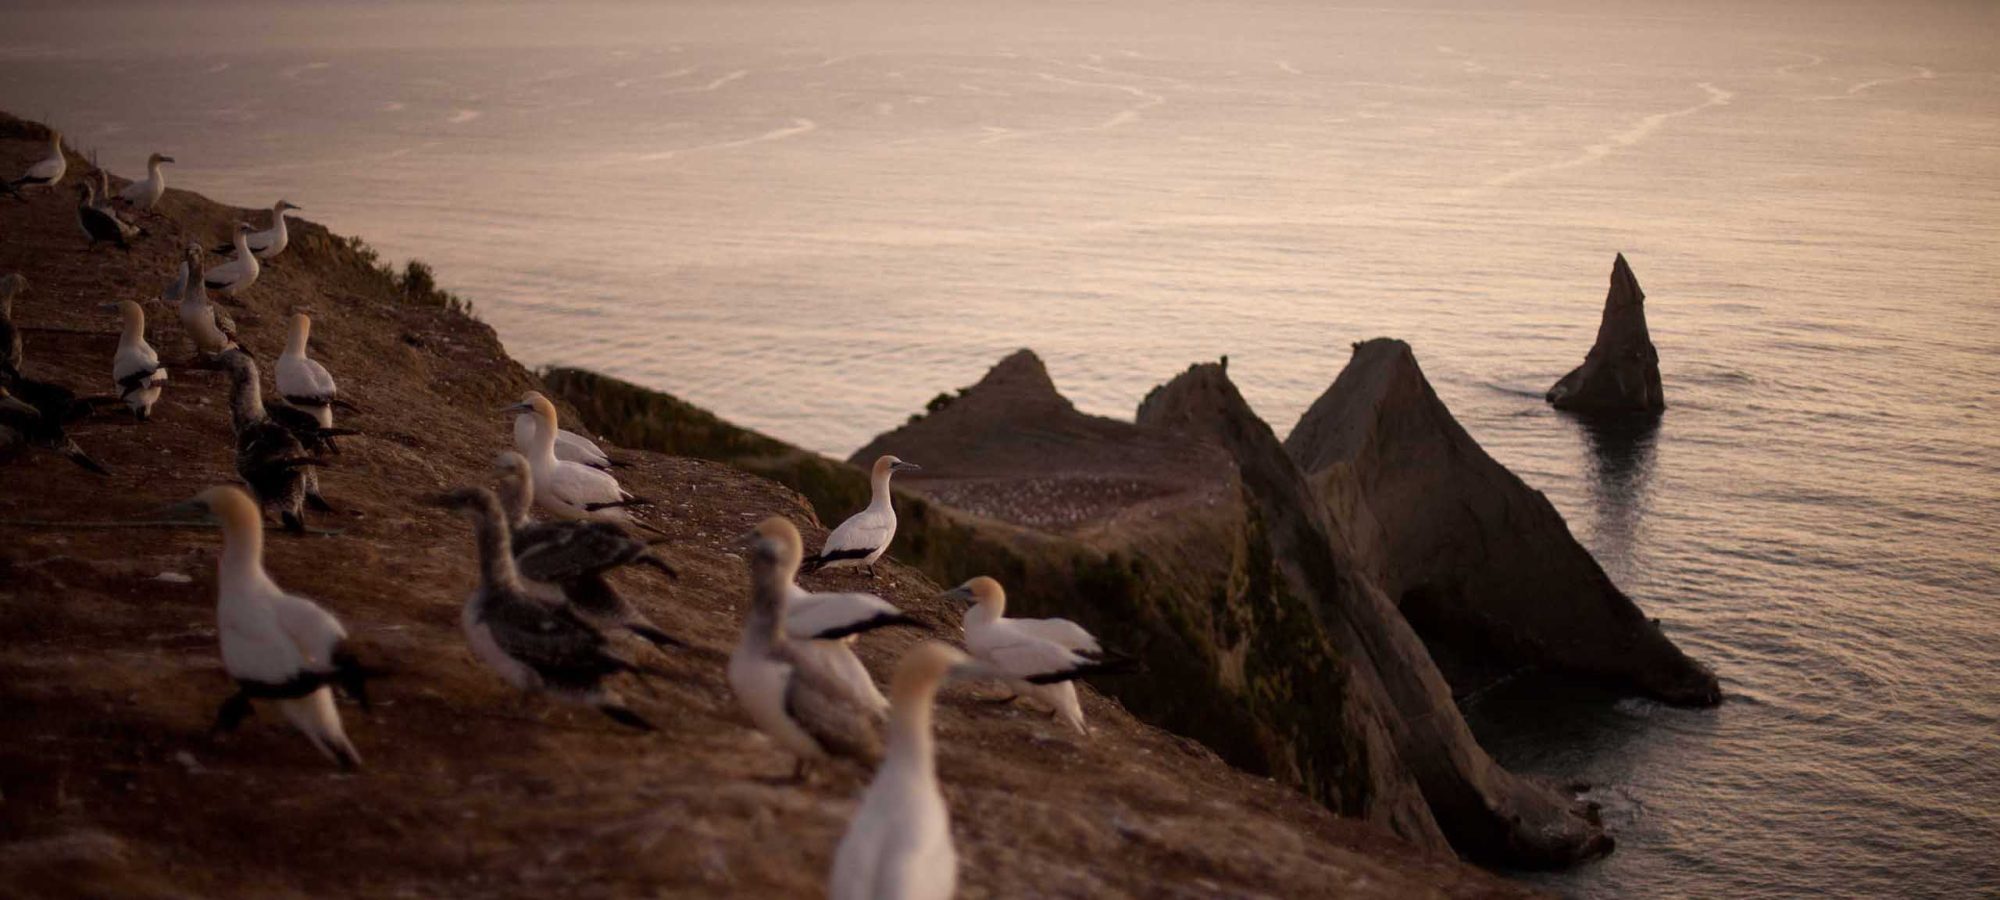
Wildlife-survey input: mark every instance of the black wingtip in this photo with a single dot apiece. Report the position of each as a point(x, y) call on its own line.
point(75, 455)
point(615, 504)
point(1106, 665)
point(625, 717)
point(886, 620)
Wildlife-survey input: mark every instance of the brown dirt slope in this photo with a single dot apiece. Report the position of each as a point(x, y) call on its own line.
point(109, 674)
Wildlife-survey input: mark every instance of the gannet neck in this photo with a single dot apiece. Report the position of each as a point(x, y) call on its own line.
point(988, 610)
point(878, 486)
point(912, 702)
point(517, 488)
point(153, 164)
point(295, 342)
point(242, 242)
point(134, 332)
point(278, 217)
point(246, 396)
point(242, 567)
point(765, 626)
point(496, 545)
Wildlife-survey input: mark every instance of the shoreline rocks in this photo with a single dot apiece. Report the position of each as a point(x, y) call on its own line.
point(1621, 374)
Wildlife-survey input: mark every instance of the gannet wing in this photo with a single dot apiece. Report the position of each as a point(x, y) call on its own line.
point(580, 484)
point(579, 449)
point(1022, 655)
point(818, 703)
point(562, 648)
point(47, 169)
point(558, 552)
point(862, 534)
point(810, 617)
point(310, 627)
point(260, 655)
point(1061, 632)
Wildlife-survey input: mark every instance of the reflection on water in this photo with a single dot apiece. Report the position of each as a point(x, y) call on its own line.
point(1621, 468)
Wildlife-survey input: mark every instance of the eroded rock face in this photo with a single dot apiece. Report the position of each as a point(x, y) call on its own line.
point(1392, 687)
point(1481, 564)
point(1622, 372)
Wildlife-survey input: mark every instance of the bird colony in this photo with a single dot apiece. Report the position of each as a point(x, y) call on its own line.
point(544, 618)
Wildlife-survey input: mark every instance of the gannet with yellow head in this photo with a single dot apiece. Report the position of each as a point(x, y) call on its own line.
point(302, 381)
point(145, 194)
point(271, 241)
point(865, 536)
point(48, 172)
point(565, 489)
point(136, 367)
point(1027, 651)
point(240, 272)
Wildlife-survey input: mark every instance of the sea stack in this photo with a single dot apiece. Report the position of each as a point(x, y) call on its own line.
point(1482, 565)
point(1621, 374)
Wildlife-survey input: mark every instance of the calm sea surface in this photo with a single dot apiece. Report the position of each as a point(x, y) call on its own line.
point(812, 217)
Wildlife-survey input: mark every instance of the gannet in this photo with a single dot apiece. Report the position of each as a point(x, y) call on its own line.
point(865, 536)
point(278, 646)
point(898, 845)
point(12, 285)
point(48, 173)
point(302, 381)
point(239, 273)
point(269, 457)
point(143, 195)
point(210, 328)
point(38, 412)
point(532, 645)
point(570, 446)
point(823, 628)
point(271, 241)
point(1019, 648)
point(566, 560)
point(98, 224)
point(804, 708)
point(567, 489)
point(136, 367)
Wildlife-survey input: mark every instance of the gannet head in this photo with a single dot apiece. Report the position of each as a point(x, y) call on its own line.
point(475, 502)
point(302, 326)
point(132, 314)
point(158, 158)
point(510, 463)
point(886, 464)
point(225, 504)
point(781, 537)
point(12, 285)
point(243, 231)
point(924, 667)
point(978, 591)
point(284, 205)
point(534, 402)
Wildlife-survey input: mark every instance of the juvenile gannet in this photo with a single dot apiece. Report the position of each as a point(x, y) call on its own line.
point(271, 241)
point(570, 446)
point(567, 560)
point(302, 381)
point(534, 646)
point(278, 646)
point(269, 457)
point(143, 195)
point(1020, 648)
point(209, 327)
point(239, 273)
point(806, 709)
point(567, 489)
point(898, 845)
point(11, 285)
point(136, 367)
point(865, 536)
point(48, 173)
point(98, 224)
point(37, 413)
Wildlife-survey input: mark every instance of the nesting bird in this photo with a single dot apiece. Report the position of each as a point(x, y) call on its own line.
point(806, 709)
point(570, 446)
point(865, 536)
point(270, 458)
point(303, 382)
point(136, 367)
point(271, 241)
point(532, 645)
point(566, 489)
point(48, 173)
point(145, 194)
point(99, 224)
point(1020, 649)
point(568, 559)
point(277, 646)
point(208, 326)
point(240, 272)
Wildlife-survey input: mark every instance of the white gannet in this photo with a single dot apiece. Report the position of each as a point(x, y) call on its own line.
point(567, 489)
point(269, 457)
point(239, 273)
point(823, 628)
point(98, 224)
point(865, 536)
point(570, 446)
point(1020, 648)
point(807, 710)
point(534, 646)
point(12, 285)
point(136, 367)
point(143, 195)
point(898, 845)
point(278, 646)
point(271, 241)
point(210, 328)
point(566, 560)
point(302, 381)
point(48, 173)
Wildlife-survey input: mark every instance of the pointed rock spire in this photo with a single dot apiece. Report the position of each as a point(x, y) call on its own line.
point(1622, 372)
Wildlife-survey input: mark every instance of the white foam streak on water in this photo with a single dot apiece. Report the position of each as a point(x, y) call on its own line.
point(712, 201)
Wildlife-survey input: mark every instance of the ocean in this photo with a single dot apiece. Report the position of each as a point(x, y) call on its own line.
point(812, 217)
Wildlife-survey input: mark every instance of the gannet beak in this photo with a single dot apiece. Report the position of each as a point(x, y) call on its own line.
point(517, 408)
point(185, 510)
point(166, 159)
point(905, 467)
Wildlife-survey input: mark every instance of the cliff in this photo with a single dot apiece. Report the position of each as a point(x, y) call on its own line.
point(1621, 374)
point(109, 675)
point(1481, 564)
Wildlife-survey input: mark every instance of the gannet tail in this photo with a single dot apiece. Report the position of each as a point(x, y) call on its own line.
point(315, 716)
point(75, 454)
point(616, 504)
